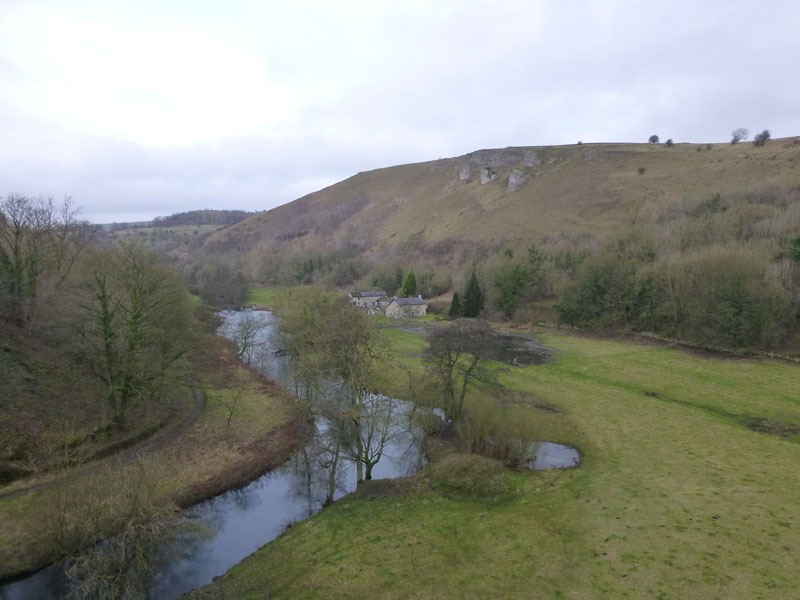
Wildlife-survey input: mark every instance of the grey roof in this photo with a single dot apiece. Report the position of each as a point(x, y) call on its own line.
point(368, 294)
point(409, 301)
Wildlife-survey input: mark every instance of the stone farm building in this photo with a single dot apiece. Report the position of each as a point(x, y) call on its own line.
point(373, 302)
point(399, 308)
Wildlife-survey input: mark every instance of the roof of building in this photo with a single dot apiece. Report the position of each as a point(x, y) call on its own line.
point(367, 294)
point(409, 301)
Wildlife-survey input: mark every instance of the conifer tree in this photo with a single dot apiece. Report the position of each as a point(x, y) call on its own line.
point(455, 306)
point(473, 297)
point(410, 285)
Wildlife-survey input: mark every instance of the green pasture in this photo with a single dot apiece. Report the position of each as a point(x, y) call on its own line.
point(676, 496)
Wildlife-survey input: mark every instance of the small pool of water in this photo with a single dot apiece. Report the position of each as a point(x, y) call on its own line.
point(549, 455)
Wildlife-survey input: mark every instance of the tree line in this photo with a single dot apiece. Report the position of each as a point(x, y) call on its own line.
point(115, 309)
point(722, 271)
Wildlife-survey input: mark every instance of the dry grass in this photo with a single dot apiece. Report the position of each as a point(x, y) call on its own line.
point(592, 189)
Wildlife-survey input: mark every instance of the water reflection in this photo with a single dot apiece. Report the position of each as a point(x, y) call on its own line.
point(226, 529)
point(232, 526)
point(324, 470)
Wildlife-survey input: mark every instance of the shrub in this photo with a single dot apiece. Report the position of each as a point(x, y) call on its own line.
point(670, 142)
point(761, 138)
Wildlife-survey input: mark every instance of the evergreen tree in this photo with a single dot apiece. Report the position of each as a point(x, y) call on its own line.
point(473, 297)
point(410, 285)
point(455, 306)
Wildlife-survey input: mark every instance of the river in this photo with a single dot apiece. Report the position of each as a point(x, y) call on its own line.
point(235, 524)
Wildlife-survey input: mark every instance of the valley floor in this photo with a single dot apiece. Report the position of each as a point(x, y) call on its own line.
point(683, 493)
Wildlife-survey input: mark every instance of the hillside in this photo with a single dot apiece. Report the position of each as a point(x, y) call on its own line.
point(696, 242)
point(184, 219)
point(512, 194)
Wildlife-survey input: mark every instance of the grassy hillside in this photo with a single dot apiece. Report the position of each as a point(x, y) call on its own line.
point(695, 242)
point(677, 496)
point(588, 189)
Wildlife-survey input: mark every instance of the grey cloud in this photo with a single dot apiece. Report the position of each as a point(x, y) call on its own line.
point(412, 85)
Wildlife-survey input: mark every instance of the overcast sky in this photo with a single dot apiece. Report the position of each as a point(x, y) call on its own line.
point(150, 107)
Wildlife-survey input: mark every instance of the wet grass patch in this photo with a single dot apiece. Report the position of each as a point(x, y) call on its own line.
point(753, 423)
point(784, 430)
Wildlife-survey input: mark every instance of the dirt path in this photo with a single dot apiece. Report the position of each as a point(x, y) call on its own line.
point(152, 445)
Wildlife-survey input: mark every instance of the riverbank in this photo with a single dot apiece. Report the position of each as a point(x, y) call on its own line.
point(248, 427)
point(678, 494)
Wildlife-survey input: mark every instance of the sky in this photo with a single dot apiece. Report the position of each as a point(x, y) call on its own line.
point(149, 107)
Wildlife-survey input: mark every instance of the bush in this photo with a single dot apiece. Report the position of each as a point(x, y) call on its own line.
point(494, 432)
point(761, 138)
point(670, 142)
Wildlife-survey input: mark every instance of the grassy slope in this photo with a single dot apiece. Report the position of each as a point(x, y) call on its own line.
point(47, 400)
point(203, 461)
point(592, 188)
point(674, 499)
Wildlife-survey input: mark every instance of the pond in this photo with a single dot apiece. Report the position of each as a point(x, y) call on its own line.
point(549, 455)
point(515, 349)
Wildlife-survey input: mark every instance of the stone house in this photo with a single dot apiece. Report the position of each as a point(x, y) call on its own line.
point(372, 302)
point(399, 308)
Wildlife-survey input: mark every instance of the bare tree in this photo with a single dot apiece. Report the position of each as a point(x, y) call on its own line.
point(248, 333)
point(740, 134)
point(134, 321)
point(39, 244)
point(457, 356)
point(80, 521)
point(335, 353)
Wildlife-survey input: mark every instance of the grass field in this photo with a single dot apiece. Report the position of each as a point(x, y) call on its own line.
point(676, 497)
point(274, 297)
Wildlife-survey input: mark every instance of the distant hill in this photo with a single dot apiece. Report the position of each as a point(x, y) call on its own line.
point(202, 217)
point(697, 241)
point(509, 196)
point(183, 219)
